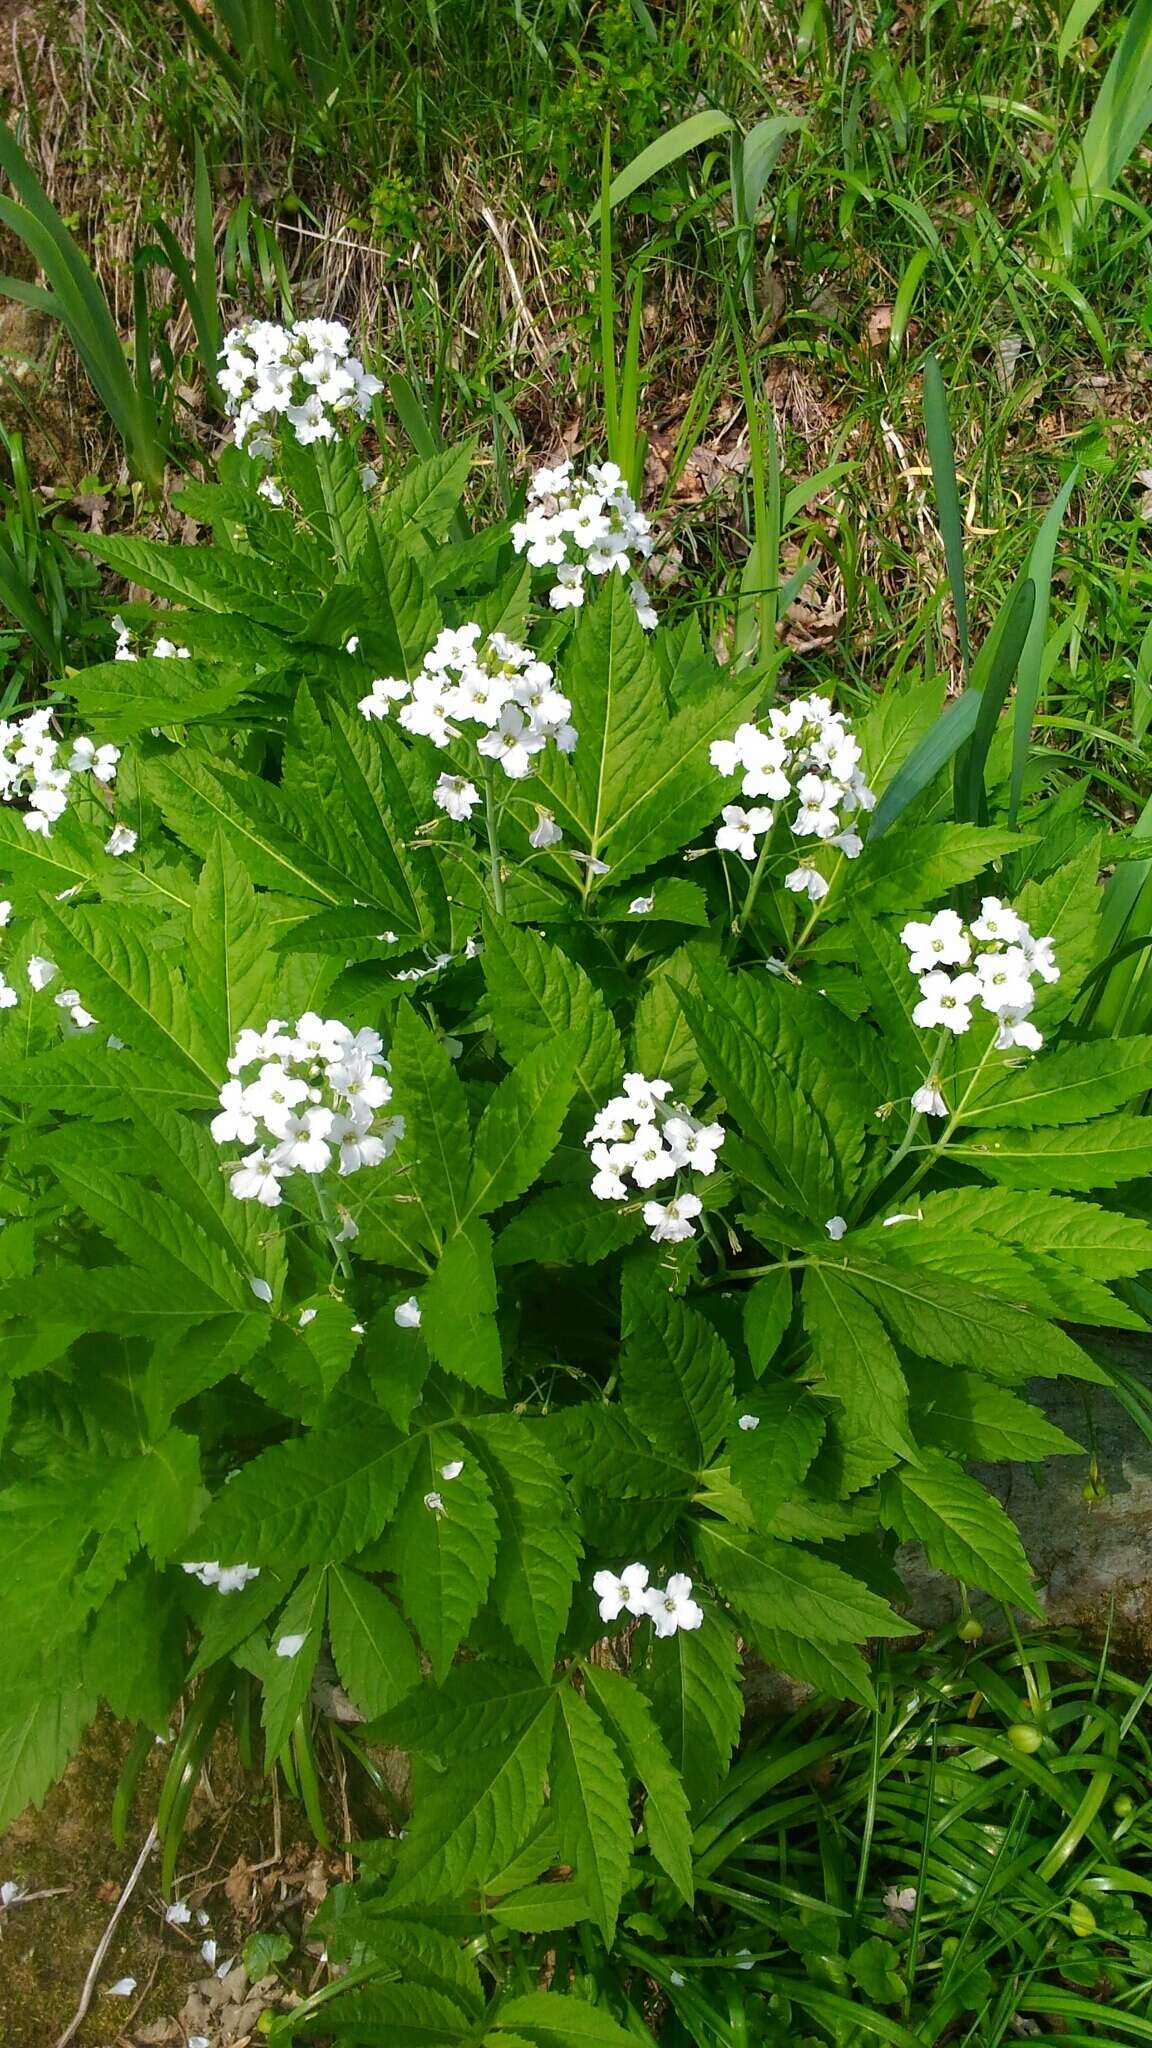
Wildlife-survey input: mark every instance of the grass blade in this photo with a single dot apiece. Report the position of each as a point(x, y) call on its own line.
point(955, 725)
point(942, 456)
point(1039, 571)
point(668, 149)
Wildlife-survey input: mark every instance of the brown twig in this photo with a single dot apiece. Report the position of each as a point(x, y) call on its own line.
point(105, 1942)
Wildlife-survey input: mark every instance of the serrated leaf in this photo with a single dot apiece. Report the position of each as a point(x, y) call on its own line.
point(470, 1822)
point(134, 1655)
point(904, 871)
point(540, 1547)
point(963, 1528)
point(229, 953)
point(662, 1041)
point(767, 1313)
point(836, 1670)
point(287, 1679)
point(536, 991)
point(693, 1683)
point(768, 1462)
point(676, 1371)
point(548, 2020)
point(167, 1246)
point(770, 1107)
point(521, 1125)
point(1101, 1242)
point(589, 1806)
point(1067, 1085)
point(1104, 1154)
point(313, 1500)
point(458, 1307)
point(632, 1725)
point(778, 1585)
point(219, 579)
point(443, 1546)
point(958, 1411)
point(484, 1703)
point(567, 1226)
point(43, 1715)
point(857, 1360)
point(111, 956)
point(438, 1139)
point(427, 494)
point(373, 1651)
point(946, 1320)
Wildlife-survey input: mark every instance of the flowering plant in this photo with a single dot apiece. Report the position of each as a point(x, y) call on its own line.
point(626, 1240)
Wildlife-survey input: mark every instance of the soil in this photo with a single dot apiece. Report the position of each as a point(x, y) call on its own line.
point(232, 1867)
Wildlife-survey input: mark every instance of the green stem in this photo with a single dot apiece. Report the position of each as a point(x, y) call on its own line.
point(343, 1264)
point(490, 825)
point(932, 1152)
point(814, 916)
point(754, 881)
point(917, 1116)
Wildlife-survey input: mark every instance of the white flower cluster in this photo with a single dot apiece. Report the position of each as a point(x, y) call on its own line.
point(306, 373)
point(999, 963)
point(636, 1135)
point(585, 526)
point(498, 686)
point(808, 752)
point(229, 1578)
point(668, 1608)
point(36, 766)
point(317, 1091)
point(164, 650)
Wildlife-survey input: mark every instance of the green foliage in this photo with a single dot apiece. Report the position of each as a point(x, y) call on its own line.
point(432, 1399)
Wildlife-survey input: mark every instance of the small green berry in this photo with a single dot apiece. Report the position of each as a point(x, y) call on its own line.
point(1123, 1805)
point(1026, 1740)
point(971, 1630)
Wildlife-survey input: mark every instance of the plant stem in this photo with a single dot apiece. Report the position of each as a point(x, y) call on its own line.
point(490, 823)
point(329, 1222)
point(754, 881)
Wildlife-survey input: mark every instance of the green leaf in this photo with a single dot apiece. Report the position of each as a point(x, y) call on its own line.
point(632, 1726)
point(443, 1546)
point(131, 985)
point(536, 992)
point(219, 579)
point(567, 1226)
point(373, 1651)
point(547, 2020)
point(43, 1715)
point(521, 1125)
point(692, 1681)
point(912, 868)
point(675, 1370)
point(667, 150)
point(836, 1670)
point(427, 495)
point(1067, 1085)
point(768, 1462)
point(958, 1411)
point(287, 1680)
point(168, 1246)
point(892, 991)
point(430, 1095)
point(589, 1805)
point(777, 1585)
point(662, 1041)
point(313, 1500)
point(771, 1108)
point(963, 1528)
point(952, 729)
point(458, 1308)
point(943, 1319)
point(767, 1313)
point(857, 1360)
point(540, 1547)
point(470, 1822)
point(1101, 1242)
point(1104, 1154)
point(134, 1656)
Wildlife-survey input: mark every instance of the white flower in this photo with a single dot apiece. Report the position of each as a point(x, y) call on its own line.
point(256, 1179)
point(1005, 980)
point(122, 1988)
point(804, 881)
point(928, 1101)
point(668, 1222)
point(5, 913)
point(385, 691)
point(235, 1120)
point(749, 1422)
point(406, 1315)
point(997, 924)
point(306, 1316)
point(741, 830)
point(692, 1144)
point(270, 489)
point(836, 1227)
point(1039, 955)
point(41, 971)
point(178, 1914)
point(352, 644)
point(674, 1977)
point(546, 833)
point(8, 995)
point(640, 906)
point(167, 650)
point(456, 795)
point(208, 1952)
point(589, 861)
point(234, 1577)
point(902, 1900)
point(434, 1502)
point(318, 1088)
point(673, 1607)
point(941, 943)
point(291, 1646)
point(1016, 1030)
point(946, 1001)
point(120, 840)
point(620, 1592)
point(453, 1469)
point(585, 525)
point(513, 742)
